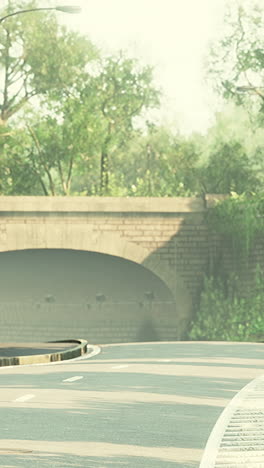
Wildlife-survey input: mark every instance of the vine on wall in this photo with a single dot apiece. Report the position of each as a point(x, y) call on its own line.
point(225, 311)
point(224, 315)
point(239, 217)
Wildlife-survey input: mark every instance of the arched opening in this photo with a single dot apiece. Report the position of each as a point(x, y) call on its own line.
point(62, 293)
point(74, 276)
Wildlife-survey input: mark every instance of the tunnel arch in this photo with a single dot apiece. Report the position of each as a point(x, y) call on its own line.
point(75, 237)
point(76, 277)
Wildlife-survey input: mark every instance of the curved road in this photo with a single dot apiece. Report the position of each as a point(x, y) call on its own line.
point(150, 405)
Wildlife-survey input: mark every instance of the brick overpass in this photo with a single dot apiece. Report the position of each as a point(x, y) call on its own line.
point(168, 236)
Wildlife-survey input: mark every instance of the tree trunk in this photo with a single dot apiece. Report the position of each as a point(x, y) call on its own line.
point(104, 175)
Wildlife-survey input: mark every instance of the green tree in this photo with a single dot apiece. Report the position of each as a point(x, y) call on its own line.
point(41, 63)
point(231, 154)
point(48, 153)
point(39, 58)
point(17, 176)
point(228, 169)
point(235, 63)
point(104, 112)
point(158, 163)
point(69, 145)
point(123, 91)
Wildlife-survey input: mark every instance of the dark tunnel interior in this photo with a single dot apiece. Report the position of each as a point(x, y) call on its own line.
point(72, 276)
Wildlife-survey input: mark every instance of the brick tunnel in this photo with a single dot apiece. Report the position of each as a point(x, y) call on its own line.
point(58, 294)
point(165, 238)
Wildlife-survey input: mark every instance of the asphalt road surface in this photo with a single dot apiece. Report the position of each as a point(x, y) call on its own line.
point(150, 405)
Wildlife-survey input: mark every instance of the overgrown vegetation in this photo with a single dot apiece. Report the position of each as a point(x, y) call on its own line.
point(226, 315)
point(227, 309)
point(240, 218)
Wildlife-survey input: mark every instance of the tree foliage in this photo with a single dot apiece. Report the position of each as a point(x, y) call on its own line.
point(75, 121)
point(239, 218)
point(235, 63)
point(159, 163)
point(85, 105)
point(121, 91)
point(38, 58)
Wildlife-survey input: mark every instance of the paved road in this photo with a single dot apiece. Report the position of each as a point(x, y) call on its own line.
point(149, 405)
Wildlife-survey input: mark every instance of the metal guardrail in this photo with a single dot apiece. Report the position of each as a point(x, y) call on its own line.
point(237, 440)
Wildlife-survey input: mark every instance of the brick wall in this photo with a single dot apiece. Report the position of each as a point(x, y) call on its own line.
point(167, 236)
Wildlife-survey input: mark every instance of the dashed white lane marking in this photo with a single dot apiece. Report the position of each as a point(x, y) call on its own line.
point(73, 379)
point(165, 360)
point(27, 397)
point(120, 367)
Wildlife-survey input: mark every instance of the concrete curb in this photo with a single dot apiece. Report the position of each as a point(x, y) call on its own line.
point(77, 351)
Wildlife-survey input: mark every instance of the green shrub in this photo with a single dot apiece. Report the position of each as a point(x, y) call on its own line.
point(239, 217)
point(224, 315)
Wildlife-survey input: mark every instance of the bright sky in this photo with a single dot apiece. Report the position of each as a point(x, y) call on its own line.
point(172, 35)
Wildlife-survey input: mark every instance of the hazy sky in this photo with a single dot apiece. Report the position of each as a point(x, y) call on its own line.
point(172, 35)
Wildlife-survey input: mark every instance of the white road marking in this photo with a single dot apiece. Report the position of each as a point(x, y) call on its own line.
point(27, 397)
point(95, 349)
point(73, 379)
point(165, 360)
point(239, 402)
point(120, 367)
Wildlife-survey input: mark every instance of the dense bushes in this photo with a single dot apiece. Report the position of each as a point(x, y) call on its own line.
point(224, 315)
point(228, 310)
point(239, 217)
